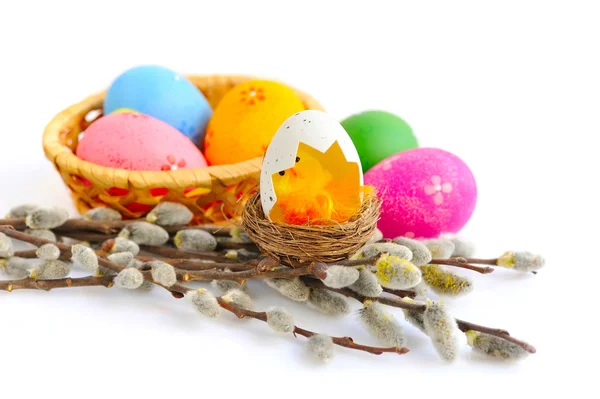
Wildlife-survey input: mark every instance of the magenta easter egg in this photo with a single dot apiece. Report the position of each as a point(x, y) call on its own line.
point(425, 192)
point(137, 142)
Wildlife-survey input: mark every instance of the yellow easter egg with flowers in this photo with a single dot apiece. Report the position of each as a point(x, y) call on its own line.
point(246, 120)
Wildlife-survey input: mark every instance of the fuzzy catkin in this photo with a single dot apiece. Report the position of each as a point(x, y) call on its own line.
point(48, 217)
point(239, 235)
point(129, 278)
point(225, 285)
point(121, 244)
point(446, 283)
point(377, 235)
point(421, 290)
point(521, 261)
point(195, 240)
point(321, 347)
point(367, 284)
point(21, 211)
point(294, 288)
point(48, 252)
point(328, 302)
point(170, 214)
point(42, 233)
point(163, 273)
point(381, 324)
point(50, 270)
point(462, 247)
point(204, 302)
point(413, 317)
point(440, 248)
point(84, 256)
point(144, 233)
point(124, 259)
point(15, 267)
point(280, 320)
point(102, 213)
point(391, 248)
point(442, 329)
point(494, 346)
point(238, 298)
point(397, 273)
point(421, 254)
point(6, 246)
point(340, 276)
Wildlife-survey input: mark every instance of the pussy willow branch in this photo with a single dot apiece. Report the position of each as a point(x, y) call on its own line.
point(462, 325)
point(400, 293)
point(346, 342)
point(47, 285)
point(178, 291)
point(169, 252)
point(463, 265)
point(262, 271)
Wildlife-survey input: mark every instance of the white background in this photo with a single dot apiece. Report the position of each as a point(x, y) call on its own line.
point(512, 87)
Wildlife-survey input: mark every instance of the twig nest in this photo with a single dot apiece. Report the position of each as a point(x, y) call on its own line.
point(294, 245)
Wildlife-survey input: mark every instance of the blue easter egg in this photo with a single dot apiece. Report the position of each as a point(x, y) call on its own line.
point(163, 94)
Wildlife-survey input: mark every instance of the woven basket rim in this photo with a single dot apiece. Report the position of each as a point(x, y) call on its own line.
point(64, 158)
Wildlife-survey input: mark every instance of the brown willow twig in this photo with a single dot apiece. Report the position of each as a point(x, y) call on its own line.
point(262, 271)
point(398, 303)
point(169, 252)
point(463, 265)
point(400, 293)
point(47, 285)
point(178, 291)
point(346, 342)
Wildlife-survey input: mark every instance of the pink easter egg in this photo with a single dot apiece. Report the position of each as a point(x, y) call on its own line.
point(137, 142)
point(425, 192)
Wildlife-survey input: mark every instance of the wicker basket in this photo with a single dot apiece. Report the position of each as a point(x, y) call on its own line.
point(215, 194)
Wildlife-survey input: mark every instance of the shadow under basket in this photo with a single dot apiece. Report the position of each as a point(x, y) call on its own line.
point(215, 194)
point(295, 245)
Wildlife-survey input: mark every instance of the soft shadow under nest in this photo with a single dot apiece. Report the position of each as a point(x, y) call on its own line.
point(294, 245)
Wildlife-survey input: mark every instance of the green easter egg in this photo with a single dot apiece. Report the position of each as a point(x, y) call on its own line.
point(377, 135)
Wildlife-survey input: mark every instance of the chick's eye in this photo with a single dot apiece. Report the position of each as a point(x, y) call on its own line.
point(281, 173)
point(297, 159)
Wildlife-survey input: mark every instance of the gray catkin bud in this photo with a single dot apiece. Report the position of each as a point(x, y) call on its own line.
point(6, 246)
point(204, 302)
point(239, 235)
point(21, 211)
point(231, 254)
point(50, 270)
point(397, 273)
point(42, 233)
point(377, 235)
point(328, 302)
point(442, 329)
point(84, 256)
point(124, 245)
point(321, 347)
point(444, 282)
point(46, 217)
point(382, 325)
point(16, 267)
point(238, 298)
point(340, 276)
point(413, 317)
point(421, 254)
point(163, 273)
point(124, 259)
point(421, 290)
point(391, 248)
point(367, 284)
point(280, 320)
point(129, 278)
point(225, 285)
point(243, 255)
point(170, 214)
point(521, 261)
point(440, 248)
point(494, 346)
point(195, 240)
point(102, 213)
point(294, 288)
point(462, 247)
point(144, 233)
point(48, 252)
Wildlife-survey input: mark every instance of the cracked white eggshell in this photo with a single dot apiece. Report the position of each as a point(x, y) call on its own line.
point(313, 128)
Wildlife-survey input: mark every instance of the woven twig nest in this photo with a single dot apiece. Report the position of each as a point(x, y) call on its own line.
point(294, 245)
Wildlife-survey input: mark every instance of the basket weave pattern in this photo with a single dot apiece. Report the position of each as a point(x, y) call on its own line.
point(214, 194)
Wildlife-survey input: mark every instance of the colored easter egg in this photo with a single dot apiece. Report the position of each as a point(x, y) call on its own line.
point(311, 172)
point(425, 192)
point(162, 94)
point(377, 135)
point(246, 119)
point(137, 142)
